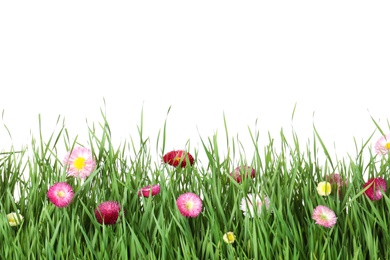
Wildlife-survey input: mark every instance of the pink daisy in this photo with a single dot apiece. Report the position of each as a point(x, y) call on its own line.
point(145, 191)
point(79, 162)
point(382, 146)
point(253, 204)
point(376, 187)
point(324, 216)
point(243, 172)
point(60, 194)
point(107, 212)
point(174, 158)
point(189, 204)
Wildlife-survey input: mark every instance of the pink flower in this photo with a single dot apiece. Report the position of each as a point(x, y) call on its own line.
point(189, 204)
point(60, 194)
point(324, 216)
point(145, 191)
point(107, 212)
point(376, 187)
point(382, 146)
point(79, 162)
point(243, 172)
point(174, 158)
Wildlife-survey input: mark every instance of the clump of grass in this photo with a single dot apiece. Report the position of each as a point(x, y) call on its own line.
point(153, 228)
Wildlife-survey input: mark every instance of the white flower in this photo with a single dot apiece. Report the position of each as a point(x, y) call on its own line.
point(253, 204)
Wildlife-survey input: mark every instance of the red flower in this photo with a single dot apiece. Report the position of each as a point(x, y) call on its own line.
point(107, 212)
point(175, 158)
point(145, 191)
point(242, 172)
point(377, 187)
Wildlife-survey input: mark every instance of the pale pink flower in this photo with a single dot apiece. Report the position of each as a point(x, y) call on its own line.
point(60, 194)
point(324, 216)
point(145, 191)
point(241, 172)
point(107, 212)
point(253, 204)
point(79, 162)
point(382, 146)
point(189, 204)
point(377, 186)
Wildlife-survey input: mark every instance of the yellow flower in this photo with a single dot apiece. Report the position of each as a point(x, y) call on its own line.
point(229, 237)
point(324, 188)
point(14, 219)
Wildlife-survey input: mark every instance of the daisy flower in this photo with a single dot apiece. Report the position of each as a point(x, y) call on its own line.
point(60, 194)
point(382, 146)
point(145, 191)
point(324, 188)
point(14, 219)
point(107, 212)
point(324, 216)
point(376, 187)
point(189, 204)
point(174, 158)
point(79, 162)
point(242, 172)
point(253, 204)
point(229, 237)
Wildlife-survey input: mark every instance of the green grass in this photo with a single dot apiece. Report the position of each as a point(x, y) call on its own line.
point(154, 229)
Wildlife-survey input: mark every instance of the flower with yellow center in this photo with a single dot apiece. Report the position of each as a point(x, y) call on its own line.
point(79, 162)
point(229, 237)
point(324, 188)
point(382, 146)
point(14, 219)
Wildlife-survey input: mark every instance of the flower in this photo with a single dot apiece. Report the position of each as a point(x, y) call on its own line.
point(253, 204)
point(14, 219)
point(60, 194)
point(324, 188)
point(242, 171)
point(174, 158)
point(79, 162)
point(375, 188)
point(145, 191)
point(382, 146)
point(324, 216)
point(189, 204)
point(229, 237)
point(107, 212)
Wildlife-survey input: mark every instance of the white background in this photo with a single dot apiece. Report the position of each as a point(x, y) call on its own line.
point(250, 60)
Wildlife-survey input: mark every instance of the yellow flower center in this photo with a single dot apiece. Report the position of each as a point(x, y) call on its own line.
point(230, 237)
point(189, 205)
point(387, 146)
point(177, 159)
point(79, 163)
point(61, 194)
point(326, 188)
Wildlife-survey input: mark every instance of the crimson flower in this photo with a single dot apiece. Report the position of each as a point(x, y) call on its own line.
point(145, 191)
point(107, 212)
point(377, 186)
point(179, 157)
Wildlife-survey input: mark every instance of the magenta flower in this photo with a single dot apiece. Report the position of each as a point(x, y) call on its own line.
point(79, 162)
point(60, 194)
point(377, 186)
point(189, 204)
point(145, 191)
point(174, 158)
point(107, 212)
point(324, 216)
point(243, 172)
point(382, 146)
